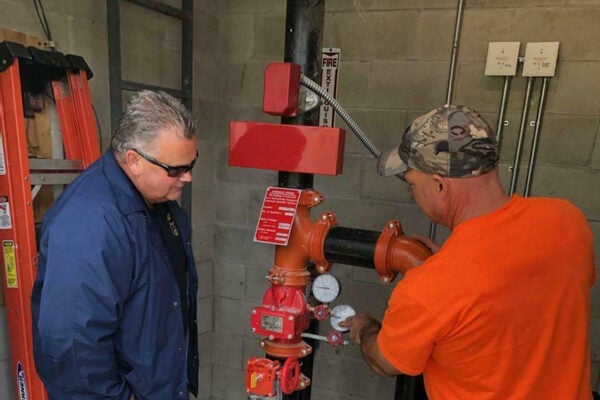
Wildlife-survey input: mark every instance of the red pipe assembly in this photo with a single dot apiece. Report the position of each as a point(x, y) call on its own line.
point(285, 313)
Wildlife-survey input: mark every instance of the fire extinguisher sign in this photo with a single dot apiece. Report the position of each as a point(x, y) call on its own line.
point(277, 215)
point(329, 82)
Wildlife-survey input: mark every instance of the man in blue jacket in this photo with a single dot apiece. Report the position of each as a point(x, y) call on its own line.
point(114, 302)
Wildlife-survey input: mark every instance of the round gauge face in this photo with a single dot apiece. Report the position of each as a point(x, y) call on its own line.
point(339, 314)
point(326, 288)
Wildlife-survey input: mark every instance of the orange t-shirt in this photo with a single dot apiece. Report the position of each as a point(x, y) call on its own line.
point(502, 310)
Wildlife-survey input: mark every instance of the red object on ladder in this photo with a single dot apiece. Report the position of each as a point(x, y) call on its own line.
point(68, 77)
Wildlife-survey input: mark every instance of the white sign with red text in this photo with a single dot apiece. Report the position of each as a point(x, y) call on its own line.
point(277, 215)
point(329, 82)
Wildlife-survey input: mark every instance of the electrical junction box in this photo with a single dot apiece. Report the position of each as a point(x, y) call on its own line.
point(540, 59)
point(281, 90)
point(502, 59)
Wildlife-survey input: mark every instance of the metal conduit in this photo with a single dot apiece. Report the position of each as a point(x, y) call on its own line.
point(536, 133)
point(451, 73)
point(519, 150)
point(342, 113)
point(502, 113)
point(454, 56)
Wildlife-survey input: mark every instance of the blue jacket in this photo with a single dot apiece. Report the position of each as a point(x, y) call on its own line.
point(106, 315)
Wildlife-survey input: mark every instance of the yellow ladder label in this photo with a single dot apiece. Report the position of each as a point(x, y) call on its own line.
point(8, 248)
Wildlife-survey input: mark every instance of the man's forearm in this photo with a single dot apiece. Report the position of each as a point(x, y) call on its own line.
point(370, 350)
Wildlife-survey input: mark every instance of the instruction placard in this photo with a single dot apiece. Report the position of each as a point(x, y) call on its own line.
point(277, 215)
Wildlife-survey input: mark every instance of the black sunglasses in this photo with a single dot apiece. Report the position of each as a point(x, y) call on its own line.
point(172, 171)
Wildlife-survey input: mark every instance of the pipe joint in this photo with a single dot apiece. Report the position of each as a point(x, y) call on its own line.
point(395, 253)
point(287, 277)
point(305, 243)
point(316, 243)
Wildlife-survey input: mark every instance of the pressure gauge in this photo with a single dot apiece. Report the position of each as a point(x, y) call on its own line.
point(326, 288)
point(339, 314)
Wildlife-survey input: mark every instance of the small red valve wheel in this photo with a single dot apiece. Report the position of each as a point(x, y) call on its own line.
point(320, 312)
point(289, 375)
point(335, 338)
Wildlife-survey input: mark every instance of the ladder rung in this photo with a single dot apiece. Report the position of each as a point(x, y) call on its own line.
point(52, 179)
point(42, 164)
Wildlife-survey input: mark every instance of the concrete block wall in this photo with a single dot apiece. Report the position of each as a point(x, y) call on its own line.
point(394, 66)
point(395, 58)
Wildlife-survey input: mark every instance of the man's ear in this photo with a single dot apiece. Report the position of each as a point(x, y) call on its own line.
point(133, 162)
point(441, 183)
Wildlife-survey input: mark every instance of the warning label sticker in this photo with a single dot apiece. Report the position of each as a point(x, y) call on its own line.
point(5, 221)
point(2, 161)
point(10, 264)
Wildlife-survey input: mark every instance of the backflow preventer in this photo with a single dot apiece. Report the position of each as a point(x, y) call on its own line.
point(312, 246)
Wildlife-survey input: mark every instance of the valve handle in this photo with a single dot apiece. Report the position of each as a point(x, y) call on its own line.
point(320, 312)
point(335, 338)
point(289, 375)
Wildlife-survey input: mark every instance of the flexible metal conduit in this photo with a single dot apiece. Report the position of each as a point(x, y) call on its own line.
point(312, 85)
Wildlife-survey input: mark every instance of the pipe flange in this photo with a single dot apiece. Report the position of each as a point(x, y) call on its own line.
point(316, 245)
point(281, 276)
point(310, 198)
point(383, 250)
point(395, 253)
point(280, 349)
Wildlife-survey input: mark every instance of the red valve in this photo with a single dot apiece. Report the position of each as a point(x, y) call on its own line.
point(290, 375)
point(261, 375)
point(320, 312)
point(335, 338)
point(284, 313)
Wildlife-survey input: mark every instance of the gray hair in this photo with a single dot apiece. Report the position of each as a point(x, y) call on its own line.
point(145, 116)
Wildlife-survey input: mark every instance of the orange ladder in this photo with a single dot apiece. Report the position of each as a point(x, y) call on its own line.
point(29, 69)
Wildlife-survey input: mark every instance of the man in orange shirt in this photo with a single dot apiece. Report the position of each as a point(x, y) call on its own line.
point(501, 310)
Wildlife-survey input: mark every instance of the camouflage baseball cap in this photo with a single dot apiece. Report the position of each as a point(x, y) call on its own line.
point(452, 141)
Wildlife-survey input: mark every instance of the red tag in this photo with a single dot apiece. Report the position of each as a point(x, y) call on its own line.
point(277, 215)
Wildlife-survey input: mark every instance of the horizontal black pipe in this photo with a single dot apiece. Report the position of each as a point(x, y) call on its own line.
point(137, 86)
point(164, 8)
point(351, 246)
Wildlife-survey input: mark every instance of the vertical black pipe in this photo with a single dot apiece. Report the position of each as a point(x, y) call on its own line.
point(113, 21)
point(187, 80)
point(303, 43)
point(410, 388)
